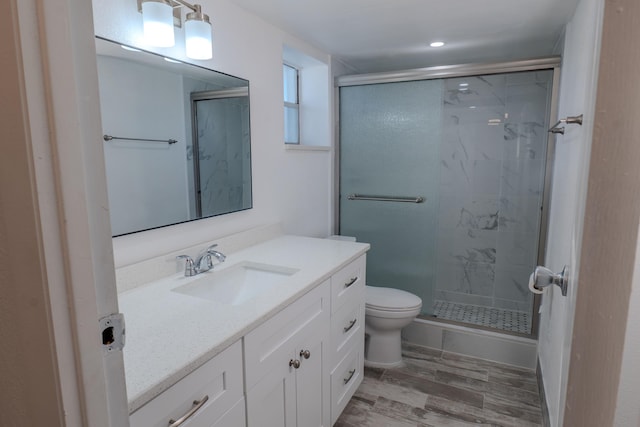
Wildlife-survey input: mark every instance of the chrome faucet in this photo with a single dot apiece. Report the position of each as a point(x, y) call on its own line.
point(193, 267)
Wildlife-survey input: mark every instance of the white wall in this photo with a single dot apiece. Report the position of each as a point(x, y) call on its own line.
point(147, 182)
point(571, 163)
point(290, 187)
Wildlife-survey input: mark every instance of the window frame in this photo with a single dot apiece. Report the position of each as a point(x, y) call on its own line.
point(293, 105)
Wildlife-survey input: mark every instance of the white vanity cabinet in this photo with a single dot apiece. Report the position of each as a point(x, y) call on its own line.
point(210, 396)
point(292, 366)
point(286, 365)
point(328, 322)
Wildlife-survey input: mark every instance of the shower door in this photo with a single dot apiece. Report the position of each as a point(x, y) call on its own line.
point(221, 152)
point(390, 136)
point(475, 149)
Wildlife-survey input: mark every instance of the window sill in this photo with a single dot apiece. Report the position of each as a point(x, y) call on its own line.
point(300, 147)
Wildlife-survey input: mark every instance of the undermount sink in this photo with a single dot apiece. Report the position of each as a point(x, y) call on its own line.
point(237, 284)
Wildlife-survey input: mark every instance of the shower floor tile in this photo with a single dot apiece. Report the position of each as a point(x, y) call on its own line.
point(506, 320)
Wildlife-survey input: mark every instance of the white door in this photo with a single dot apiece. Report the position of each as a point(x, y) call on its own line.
point(61, 92)
point(568, 195)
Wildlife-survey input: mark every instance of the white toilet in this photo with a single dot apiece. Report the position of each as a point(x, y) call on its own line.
point(387, 311)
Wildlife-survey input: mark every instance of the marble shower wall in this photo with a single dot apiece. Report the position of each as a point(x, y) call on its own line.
point(224, 154)
point(492, 166)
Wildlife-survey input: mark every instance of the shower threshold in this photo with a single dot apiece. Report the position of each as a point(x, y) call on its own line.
point(489, 317)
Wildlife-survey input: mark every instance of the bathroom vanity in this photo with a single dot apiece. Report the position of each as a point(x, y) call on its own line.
point(274, 336)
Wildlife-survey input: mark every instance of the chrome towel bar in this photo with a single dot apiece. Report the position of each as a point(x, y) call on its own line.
point(386, 198)
point(568, 120)
point(109, 138)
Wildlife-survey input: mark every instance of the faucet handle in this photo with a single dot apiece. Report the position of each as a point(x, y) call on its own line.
point(189, 266)
point(219, 255)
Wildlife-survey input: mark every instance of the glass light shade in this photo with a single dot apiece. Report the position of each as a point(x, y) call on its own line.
point(198, 39)
point(157, 20)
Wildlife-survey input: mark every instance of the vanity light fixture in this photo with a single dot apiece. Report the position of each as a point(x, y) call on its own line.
point(158, 22)
point(197, 30)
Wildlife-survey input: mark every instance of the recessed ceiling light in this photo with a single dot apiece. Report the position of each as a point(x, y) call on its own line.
point(437, 44)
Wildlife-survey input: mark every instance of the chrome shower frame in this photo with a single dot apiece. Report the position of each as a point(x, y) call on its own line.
point(462, 70)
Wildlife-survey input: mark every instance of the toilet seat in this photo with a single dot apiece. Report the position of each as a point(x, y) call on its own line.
point(390, 300)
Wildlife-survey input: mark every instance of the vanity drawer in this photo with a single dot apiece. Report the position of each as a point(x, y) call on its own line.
point(268, 345)
point(220, 379)
point(348, 284)
point(235, 417)
point(347, 328)
point(345, 379)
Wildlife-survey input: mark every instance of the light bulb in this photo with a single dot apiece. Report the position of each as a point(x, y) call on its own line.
point(198, 38)
point(157, 20)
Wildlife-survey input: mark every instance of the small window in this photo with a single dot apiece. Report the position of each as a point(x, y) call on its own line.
point(291, 105)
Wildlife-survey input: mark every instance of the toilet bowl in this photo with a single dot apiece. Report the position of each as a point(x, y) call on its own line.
point(387, 311)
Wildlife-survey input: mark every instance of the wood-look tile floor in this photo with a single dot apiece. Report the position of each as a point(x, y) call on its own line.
point(437, 389)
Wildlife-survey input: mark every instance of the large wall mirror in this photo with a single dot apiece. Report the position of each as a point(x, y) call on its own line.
point(177, 139)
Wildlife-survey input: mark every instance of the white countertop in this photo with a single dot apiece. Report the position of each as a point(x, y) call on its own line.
point(169, 334)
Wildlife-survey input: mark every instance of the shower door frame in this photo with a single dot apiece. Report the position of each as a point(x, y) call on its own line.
point(464, 70)
point(207, 95)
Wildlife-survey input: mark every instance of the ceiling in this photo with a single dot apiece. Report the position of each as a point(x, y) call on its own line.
point(385, 35)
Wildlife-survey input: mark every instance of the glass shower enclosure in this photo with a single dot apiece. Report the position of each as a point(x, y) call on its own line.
point(445, 178)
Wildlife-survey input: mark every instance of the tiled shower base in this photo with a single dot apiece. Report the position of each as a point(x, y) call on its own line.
point(506, 320)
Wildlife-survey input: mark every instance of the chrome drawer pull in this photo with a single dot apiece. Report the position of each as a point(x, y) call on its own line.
point(351, 325)
point(351, 282)
point(351, 374)
point(197, 404)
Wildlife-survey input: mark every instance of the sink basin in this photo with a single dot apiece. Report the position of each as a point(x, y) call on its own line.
point(238, 284)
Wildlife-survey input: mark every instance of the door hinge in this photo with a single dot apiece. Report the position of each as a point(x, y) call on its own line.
point(112, 332)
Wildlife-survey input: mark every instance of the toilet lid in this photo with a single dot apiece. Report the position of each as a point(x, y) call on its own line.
point(391, 299)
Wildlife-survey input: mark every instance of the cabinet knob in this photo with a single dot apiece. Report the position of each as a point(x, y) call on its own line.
point(294, 363)
point(305, 353)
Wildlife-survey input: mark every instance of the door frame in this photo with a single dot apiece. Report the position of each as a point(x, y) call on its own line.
point(602, 379)
point(60, 105)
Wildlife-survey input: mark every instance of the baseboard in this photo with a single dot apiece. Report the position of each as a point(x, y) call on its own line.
point(543, 398)
point(488, 345)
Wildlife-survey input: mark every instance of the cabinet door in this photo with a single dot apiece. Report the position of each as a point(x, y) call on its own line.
point(268, 345)
point(272, 401)
point(313, 383)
